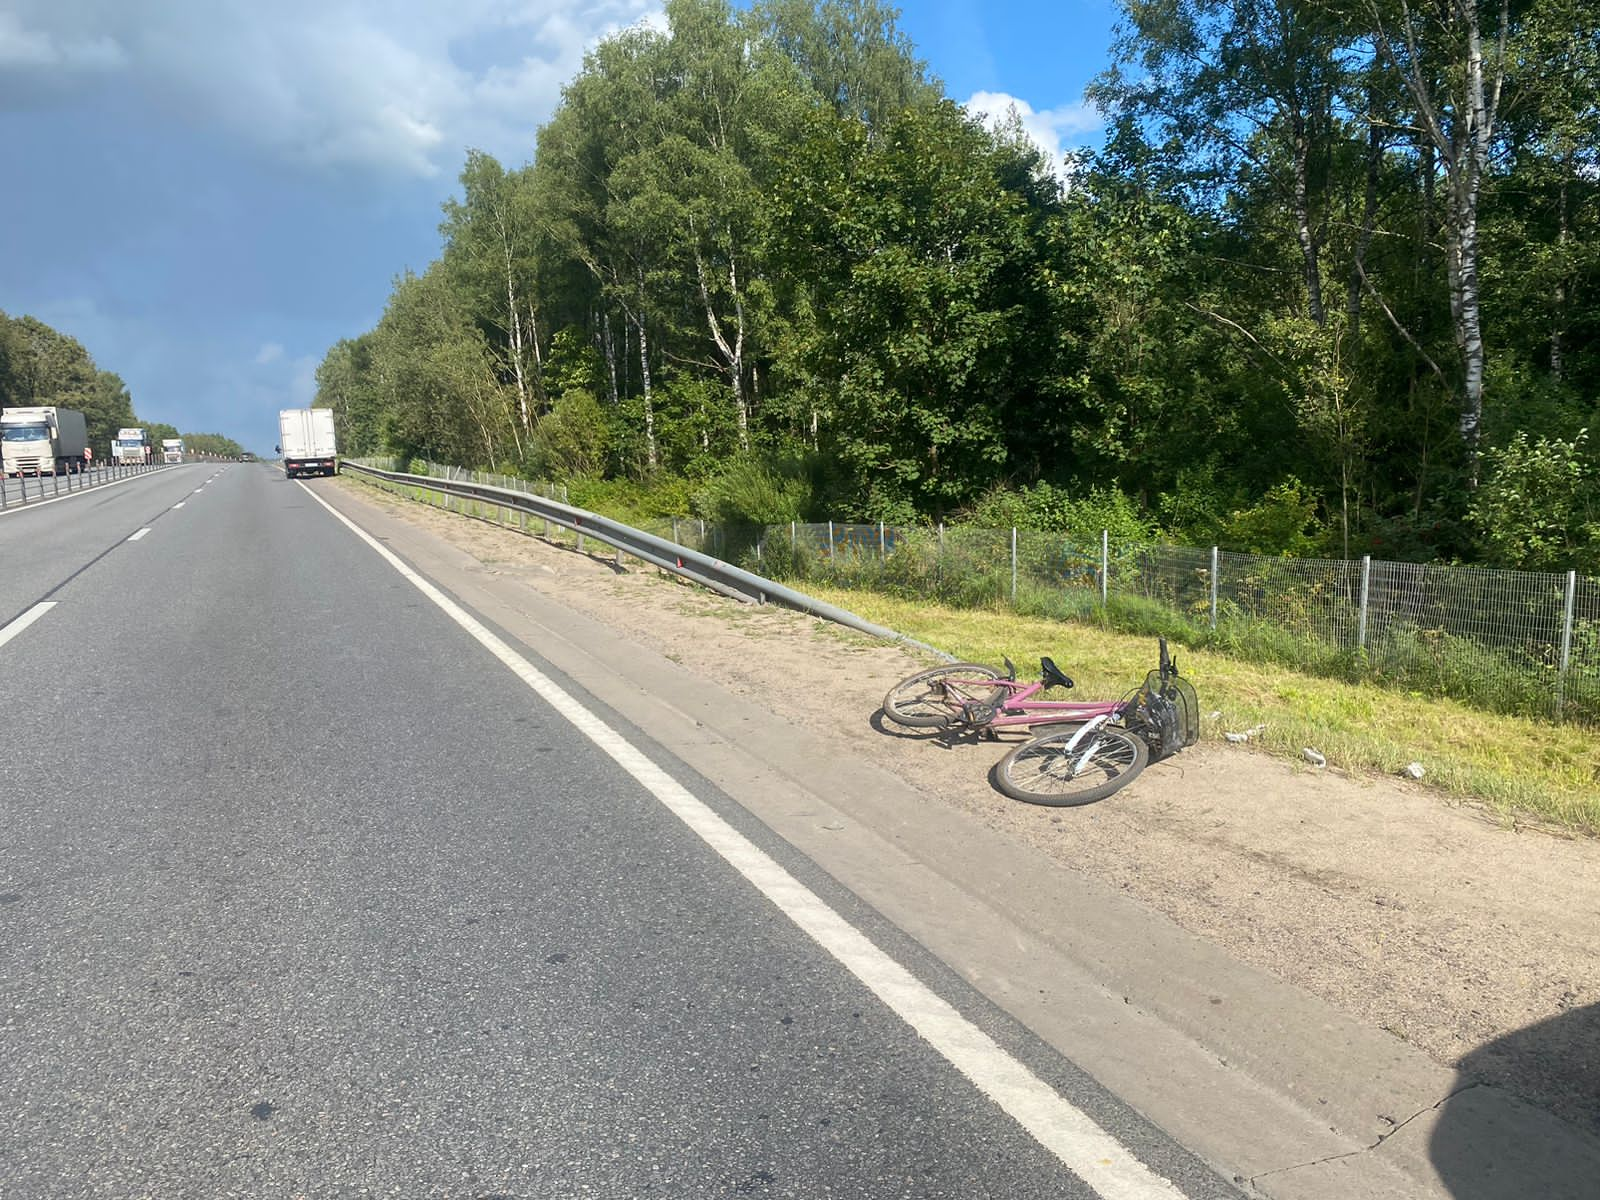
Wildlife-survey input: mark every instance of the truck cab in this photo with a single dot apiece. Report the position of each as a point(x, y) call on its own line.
point(132, 447)
point(42, 440)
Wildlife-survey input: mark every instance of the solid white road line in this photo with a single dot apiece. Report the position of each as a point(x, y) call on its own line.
point(1086, 1149)
point(140, 534)
point(26, 619)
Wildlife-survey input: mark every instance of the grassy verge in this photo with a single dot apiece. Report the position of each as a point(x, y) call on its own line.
point(1523, 771)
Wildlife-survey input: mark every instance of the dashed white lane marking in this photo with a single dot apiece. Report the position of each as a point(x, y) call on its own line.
point(1068, 1132)
point(180, 504)
point(135, 537)
point(26, 619)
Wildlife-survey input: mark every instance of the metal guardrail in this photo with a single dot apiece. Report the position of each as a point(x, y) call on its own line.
point(703, 569)
point(31, 489)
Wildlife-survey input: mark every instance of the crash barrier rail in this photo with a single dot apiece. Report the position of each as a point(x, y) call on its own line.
point(683, 561)
point(30, 489)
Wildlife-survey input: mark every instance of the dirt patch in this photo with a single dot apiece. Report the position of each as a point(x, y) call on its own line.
point(1474, 942)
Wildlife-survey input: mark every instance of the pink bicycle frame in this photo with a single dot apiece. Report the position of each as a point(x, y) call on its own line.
point(1018, 708)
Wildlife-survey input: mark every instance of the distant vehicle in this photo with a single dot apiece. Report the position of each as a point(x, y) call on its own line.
point(42, 441)
point(172, 450)
point(247, 457)
point(131, 446)
point(306, 441)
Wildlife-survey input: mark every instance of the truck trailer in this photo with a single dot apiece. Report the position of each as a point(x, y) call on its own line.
point(306, 441)
point(172, 450)
point(42, 440)
point(132, 446)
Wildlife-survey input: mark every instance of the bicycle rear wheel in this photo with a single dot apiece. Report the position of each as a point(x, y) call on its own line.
point(1046, 771)
point(933, 699)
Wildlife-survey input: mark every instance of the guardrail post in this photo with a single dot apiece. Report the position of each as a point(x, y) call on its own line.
point(1566, 643)
point(1105, 566)
point(1013, 564)
point(1214, 561)
point(55, 482)
point(1366, 588)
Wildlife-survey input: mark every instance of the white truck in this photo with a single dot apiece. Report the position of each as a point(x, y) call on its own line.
point(132, 447)
point(306, 441)
point(172, 450)
point(42, 440)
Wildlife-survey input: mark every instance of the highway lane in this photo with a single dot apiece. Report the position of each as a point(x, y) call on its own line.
point(303, 892)
point(43, 545)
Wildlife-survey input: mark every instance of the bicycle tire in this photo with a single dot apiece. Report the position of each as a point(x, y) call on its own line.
point(1039, 771)
point(921, 702)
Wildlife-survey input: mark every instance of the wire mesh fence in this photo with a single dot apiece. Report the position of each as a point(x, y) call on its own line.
point(1511, 641)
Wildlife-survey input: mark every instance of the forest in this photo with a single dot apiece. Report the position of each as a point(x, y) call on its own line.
point(40, 365)
point(1330, 286)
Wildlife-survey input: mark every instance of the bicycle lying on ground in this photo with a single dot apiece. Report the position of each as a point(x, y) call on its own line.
point(1086, 749)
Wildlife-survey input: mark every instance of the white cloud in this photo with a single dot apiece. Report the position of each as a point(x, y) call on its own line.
point(22, 48)
point(1053, 130)
point(327, 83)
point(270, 352)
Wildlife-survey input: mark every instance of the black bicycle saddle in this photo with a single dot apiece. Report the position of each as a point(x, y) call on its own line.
point(1052, 674)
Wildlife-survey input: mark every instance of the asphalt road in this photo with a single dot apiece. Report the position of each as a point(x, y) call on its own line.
point(304, 892)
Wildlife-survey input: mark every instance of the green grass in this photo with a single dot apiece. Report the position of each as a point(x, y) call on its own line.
point(1523, 771)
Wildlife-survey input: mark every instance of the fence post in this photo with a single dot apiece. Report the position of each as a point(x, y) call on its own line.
point(832, 553)
point(1013, 564)
point(1214, 564)
point(1105, 565)
point(1566, 643)
point(883, 544)
point(675, 532)
point(792, 542)
point(1366, 587)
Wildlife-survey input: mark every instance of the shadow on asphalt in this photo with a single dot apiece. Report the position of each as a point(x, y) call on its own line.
point(1524, 1121)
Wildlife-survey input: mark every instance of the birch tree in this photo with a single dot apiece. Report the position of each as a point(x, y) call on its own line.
point(1451, 57)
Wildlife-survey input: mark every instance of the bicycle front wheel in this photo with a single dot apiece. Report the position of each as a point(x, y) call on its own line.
point(933, 699)
point(1050, 770)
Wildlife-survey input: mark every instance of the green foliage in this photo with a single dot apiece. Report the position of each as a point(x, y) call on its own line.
point(1540, 508)
point(1283, 522)
point(211, 443)
point(1046, 507)
point(760, 491)
point(640, 503)
point(572, 439)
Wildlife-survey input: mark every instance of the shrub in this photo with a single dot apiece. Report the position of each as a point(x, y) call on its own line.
point(572, 439)
point(759, 491)
point(1283, 522)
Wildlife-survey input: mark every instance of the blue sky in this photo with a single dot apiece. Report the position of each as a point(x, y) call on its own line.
point(209, 193)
